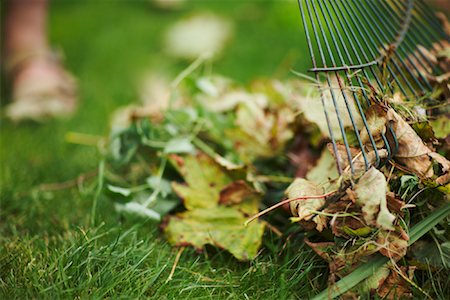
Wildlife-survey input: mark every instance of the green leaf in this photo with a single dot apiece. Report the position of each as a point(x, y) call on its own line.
point(119, 190)
point(179, 145)
point(138, 209)
point(204, 180)
point(441, 127)
point(369, 268)
point(161, 184)
point(219, 226)
point(424, 130)
point(217, 209)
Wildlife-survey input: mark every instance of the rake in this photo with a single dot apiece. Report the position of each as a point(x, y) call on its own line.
point(360, 48)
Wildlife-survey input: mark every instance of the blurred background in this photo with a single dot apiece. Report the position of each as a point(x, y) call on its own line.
point(111, 47)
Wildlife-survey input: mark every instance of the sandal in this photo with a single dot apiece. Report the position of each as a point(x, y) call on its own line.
point(41, 89)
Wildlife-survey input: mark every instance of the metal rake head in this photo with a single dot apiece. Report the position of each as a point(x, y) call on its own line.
point(364, 47)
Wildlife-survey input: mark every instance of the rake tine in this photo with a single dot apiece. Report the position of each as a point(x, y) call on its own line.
point(431, 19)
point(400, 48)
point(372, 141)
point(338, 115)
point(311, 51)
point(414, 37)
point(366, 163)
point(374, 34)
point(361, 48)
point(376, 25)
point(374, 38)
point(388, 148)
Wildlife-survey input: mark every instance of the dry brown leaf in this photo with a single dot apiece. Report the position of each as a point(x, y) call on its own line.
point(371, 197)
point(308, 99)
point(322, 249)
point(412, 152)
point(358, 162)
point(394, 204)
point(444, 22)
point(395, 286)
point(304, 209)
point(393, 244)
point(376, 122)
point(444, 179)
point(235, 193)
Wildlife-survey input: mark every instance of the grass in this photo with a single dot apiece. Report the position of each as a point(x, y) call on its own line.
point(48, 247)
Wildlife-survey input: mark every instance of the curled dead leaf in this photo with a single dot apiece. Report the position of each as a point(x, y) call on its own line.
point(412, 152)
point(371, 197)
point(305, 209)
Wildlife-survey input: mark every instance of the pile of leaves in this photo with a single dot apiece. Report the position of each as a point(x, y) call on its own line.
point(211, 155)
point(192, 162)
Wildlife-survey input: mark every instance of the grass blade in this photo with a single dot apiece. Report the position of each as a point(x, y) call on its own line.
point(367, 269)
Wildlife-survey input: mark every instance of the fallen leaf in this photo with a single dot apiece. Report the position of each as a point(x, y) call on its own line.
point(324, 171)
point(304, 209)
point(412, 152)
point(376, 123)
point(371, 197)
point(323, 249)
point(357, 159)
point(307, 98)
point(260, 132)
point(394, 204)
point(235, 192)
point(204, 180)
point(220, 94)
point(442, 161)
point(394, 286)
point(441, 127)
point(376, 279)
point(444, 180)
point(220, 226)
point(217, 209)
point(424, 130)
point(444, 22)
point(392, 244)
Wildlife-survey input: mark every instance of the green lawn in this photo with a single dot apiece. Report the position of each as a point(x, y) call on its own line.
point(48, 247)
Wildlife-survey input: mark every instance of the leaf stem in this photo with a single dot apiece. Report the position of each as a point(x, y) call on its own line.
point(285, 202)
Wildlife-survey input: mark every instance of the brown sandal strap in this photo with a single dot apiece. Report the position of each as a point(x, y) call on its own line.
point(18, 61)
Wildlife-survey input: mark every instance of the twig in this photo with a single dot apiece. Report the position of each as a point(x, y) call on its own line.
point(285, 202)
point(83, 139)
point(56, 186)
point(191, 68)
point(404, 169)
point(175, 263)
